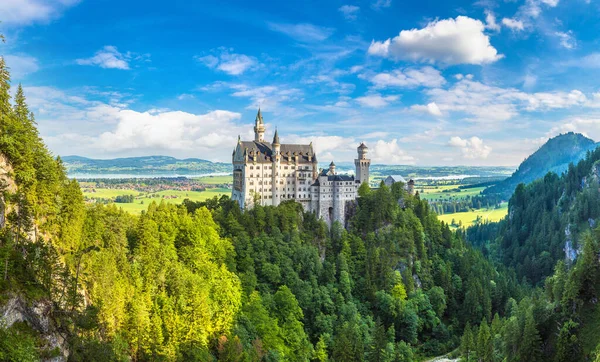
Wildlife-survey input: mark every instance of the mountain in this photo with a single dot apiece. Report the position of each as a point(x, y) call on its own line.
point(554, 156)
point(158, 165)
point(550, 239)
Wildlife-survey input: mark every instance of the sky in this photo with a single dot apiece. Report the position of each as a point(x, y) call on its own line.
point(426, 82)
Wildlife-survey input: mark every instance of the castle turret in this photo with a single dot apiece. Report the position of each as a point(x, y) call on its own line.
point(410, 187)
point(362, 164)
point(259, 128)
point(276, 156)
point(331, 168)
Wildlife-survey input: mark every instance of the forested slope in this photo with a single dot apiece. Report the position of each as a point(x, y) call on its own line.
point(551, 239)
point(206, 282)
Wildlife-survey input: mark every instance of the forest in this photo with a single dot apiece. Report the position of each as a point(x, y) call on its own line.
point(204, 281)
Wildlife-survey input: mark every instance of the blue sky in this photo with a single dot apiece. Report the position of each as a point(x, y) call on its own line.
point(426, 82)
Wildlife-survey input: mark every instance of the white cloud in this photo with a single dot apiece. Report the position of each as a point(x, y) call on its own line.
point(587, 125)
point(21, 65)
point(450, 41)
point(513, 24)
point(303, 32)
point(389, 152)
point(108, 57)
point(566, 39)
point(430, 108)
point(376, 100)
point(472, 148)
point(409, 78)
point(25, 12)
point(350, 11)
point(379, 4)
point(169, 130)
point(230, 63)
point(589, 61)
point(486, 103)
point(490, 21)
point(551, 3)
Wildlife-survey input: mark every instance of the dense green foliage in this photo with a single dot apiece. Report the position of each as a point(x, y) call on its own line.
point(205, 281)
point(551, 240)
point(543, 217)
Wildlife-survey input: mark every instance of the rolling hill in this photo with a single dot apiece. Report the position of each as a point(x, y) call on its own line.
point(554, 156)
point(158, 165)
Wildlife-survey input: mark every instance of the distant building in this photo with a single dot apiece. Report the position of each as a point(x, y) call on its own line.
point(267, 173)
point(408, 185)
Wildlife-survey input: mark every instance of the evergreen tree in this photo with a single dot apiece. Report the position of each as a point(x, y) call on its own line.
point(530, 344)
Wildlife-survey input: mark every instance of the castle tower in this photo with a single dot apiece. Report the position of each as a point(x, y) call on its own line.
point(259, 128)
point(275, 174)
point(331, 168)
point(362, 164)
point(410, 187)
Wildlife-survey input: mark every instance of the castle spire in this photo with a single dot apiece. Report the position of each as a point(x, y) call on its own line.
point(259, 128)
point(276, 138)
point(259, 118)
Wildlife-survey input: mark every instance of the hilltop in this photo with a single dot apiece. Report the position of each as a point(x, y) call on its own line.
point(142, 165)
point(554, 156)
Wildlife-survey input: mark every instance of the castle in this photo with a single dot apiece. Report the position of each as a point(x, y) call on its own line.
point(268, 173)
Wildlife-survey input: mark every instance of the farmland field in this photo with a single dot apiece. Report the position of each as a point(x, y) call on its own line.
point(215, 180)
point(450, 192)
point(142, 200)
point(468, 218)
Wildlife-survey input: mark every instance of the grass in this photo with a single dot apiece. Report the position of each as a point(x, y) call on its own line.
point(142, 200)
point(437, 193)
point(468, 218)
point(215, 180)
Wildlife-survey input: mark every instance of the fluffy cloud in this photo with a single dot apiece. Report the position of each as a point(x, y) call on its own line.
point(303, 32)
point(375, 100)
point(107, 57)
point(21, 65)
point(450, 41)
point(409, 78)
point(169, 130)
point(350, 11)
point(589, 126)
point(486, 103)
point(472, 148)
point(230, 63)
point(25, 12)
point(513, 24)
point(389, 152)
point(430, 108)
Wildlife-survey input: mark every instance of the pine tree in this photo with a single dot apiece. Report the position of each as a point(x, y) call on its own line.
point(530, 346)
point(467, 344)
point(485, 349)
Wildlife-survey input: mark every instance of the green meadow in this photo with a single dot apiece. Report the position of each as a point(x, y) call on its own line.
point(468, 218)
point(450, 192)
point(142, 200)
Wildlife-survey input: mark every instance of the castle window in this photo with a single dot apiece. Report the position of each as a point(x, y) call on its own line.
point(252, 167)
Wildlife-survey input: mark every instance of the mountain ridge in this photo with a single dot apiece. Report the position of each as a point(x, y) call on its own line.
point(553, 156)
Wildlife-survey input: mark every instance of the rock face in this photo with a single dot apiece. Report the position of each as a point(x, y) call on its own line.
point(37, 315)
